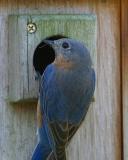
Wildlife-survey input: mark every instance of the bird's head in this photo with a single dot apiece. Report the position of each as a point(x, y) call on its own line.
point(69, 53)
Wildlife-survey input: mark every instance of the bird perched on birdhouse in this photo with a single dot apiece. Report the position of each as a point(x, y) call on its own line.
point(66, 90)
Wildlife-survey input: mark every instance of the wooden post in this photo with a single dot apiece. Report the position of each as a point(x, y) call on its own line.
point(124, 14)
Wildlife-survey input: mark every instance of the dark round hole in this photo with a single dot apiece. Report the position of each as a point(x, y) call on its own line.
point(44, 54)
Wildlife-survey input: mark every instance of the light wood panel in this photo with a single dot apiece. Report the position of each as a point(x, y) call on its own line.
point(100, 136)
point(124, 30)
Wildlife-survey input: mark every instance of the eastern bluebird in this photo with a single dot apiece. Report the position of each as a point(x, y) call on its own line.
point(66, 90)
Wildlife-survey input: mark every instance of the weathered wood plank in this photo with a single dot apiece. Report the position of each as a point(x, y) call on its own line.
point(17, 52)
point(3, 81)
point(125, 75)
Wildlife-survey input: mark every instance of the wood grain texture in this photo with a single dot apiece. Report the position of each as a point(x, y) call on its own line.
point(17, 50)
point(125, 75)
point(99, 138)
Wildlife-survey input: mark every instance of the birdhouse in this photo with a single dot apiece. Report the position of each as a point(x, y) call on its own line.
point(25, 40)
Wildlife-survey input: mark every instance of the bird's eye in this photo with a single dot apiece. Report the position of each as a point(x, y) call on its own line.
point(65, 45)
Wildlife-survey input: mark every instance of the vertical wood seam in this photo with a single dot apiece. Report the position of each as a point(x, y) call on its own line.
point(27, 62)
point(121, 83)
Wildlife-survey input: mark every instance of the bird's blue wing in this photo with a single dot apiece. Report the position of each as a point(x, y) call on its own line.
point(51, 98)
point(53, 102)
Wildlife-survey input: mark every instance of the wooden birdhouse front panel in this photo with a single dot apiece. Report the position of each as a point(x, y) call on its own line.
point(26, 32)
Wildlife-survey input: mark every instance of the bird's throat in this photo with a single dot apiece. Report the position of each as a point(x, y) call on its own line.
point(62, 63)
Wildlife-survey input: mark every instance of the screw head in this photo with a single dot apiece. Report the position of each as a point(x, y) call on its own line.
point(31, 28)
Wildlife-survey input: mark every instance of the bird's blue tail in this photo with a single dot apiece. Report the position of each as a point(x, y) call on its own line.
point(43, 148)
point(40, 153)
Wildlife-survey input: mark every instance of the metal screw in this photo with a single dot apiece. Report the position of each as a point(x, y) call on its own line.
point(31, 28)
